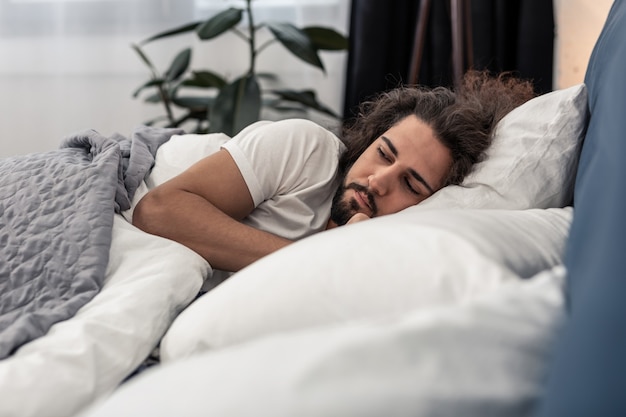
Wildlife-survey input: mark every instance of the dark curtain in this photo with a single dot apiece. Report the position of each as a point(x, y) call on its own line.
point(507, 35)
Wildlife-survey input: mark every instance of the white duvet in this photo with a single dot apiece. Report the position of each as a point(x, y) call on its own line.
point(149, 280)
point(486, 357)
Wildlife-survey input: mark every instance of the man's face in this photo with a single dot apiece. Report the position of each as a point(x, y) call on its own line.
point(401, 168)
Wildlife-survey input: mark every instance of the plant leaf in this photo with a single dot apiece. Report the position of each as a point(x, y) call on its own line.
point(155, 120)
point(200, 116)
point(151, 83)
point(205, 79)
point(297, 42)
point(270, 76)
point(306, 98)
point(324, 38)
point(236, 106)
point(190, 27)
point(287, 108)
point(153, 98)
point(219, 23)
point(195, 104)
point(179, 65)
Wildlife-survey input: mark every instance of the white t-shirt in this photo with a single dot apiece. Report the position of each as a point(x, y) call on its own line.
point(290, 168)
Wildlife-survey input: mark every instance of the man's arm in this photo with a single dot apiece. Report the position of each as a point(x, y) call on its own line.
point(202, 209)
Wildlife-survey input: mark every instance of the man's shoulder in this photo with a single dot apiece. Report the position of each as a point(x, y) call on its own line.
point(292, 135)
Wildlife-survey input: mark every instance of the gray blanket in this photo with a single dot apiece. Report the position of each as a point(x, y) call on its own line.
point(56, 219)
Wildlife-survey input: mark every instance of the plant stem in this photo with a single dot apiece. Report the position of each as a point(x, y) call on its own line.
point(251, 39)
point(178, 122)
point(166, 103)
point(241, 35)
point(265, 45)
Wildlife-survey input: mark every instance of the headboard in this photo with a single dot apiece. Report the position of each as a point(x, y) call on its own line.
point(588, 373)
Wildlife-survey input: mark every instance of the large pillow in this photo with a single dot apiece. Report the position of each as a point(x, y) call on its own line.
point(532, 160)
point(486, 357)
point(380, 268)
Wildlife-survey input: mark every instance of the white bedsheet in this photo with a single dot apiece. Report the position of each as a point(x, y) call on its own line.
point(149, 280)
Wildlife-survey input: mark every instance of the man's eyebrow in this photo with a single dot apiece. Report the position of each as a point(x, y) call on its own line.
point(392, 148)
point(413, 172)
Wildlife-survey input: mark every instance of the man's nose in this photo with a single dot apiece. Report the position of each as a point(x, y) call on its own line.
point(379, 182)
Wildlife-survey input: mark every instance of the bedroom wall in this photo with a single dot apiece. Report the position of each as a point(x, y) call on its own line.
point(57, 78)
point(578, 24)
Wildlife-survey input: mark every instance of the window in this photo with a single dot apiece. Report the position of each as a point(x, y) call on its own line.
point(89, 17)
point(77, 53)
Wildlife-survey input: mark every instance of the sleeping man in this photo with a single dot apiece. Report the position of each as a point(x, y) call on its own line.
point(277, 182)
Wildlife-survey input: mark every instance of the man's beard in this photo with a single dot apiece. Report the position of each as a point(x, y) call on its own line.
point(341, 210)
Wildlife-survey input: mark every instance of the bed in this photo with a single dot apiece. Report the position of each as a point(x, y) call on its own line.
point(463, 305)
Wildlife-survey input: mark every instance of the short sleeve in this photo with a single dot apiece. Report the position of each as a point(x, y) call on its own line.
point(284, 157)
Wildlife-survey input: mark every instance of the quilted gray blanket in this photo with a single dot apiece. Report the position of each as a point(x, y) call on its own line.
point(56, 219)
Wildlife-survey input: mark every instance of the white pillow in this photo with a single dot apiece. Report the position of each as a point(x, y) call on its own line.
point(379, 268)
point(532, 160)
point(487, 357)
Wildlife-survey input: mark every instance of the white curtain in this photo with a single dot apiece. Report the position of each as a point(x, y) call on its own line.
point(67, 65)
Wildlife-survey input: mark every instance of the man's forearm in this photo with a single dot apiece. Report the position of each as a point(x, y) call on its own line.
point(189, 219)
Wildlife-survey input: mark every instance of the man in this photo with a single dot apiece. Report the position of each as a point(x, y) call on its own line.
point(274, 182)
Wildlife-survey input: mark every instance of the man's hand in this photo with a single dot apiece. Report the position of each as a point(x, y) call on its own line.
point(359, 217)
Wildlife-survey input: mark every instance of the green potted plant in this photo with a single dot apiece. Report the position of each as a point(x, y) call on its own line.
point(230, 105)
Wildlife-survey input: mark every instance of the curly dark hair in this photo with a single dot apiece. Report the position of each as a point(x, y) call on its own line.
point(462, 119)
